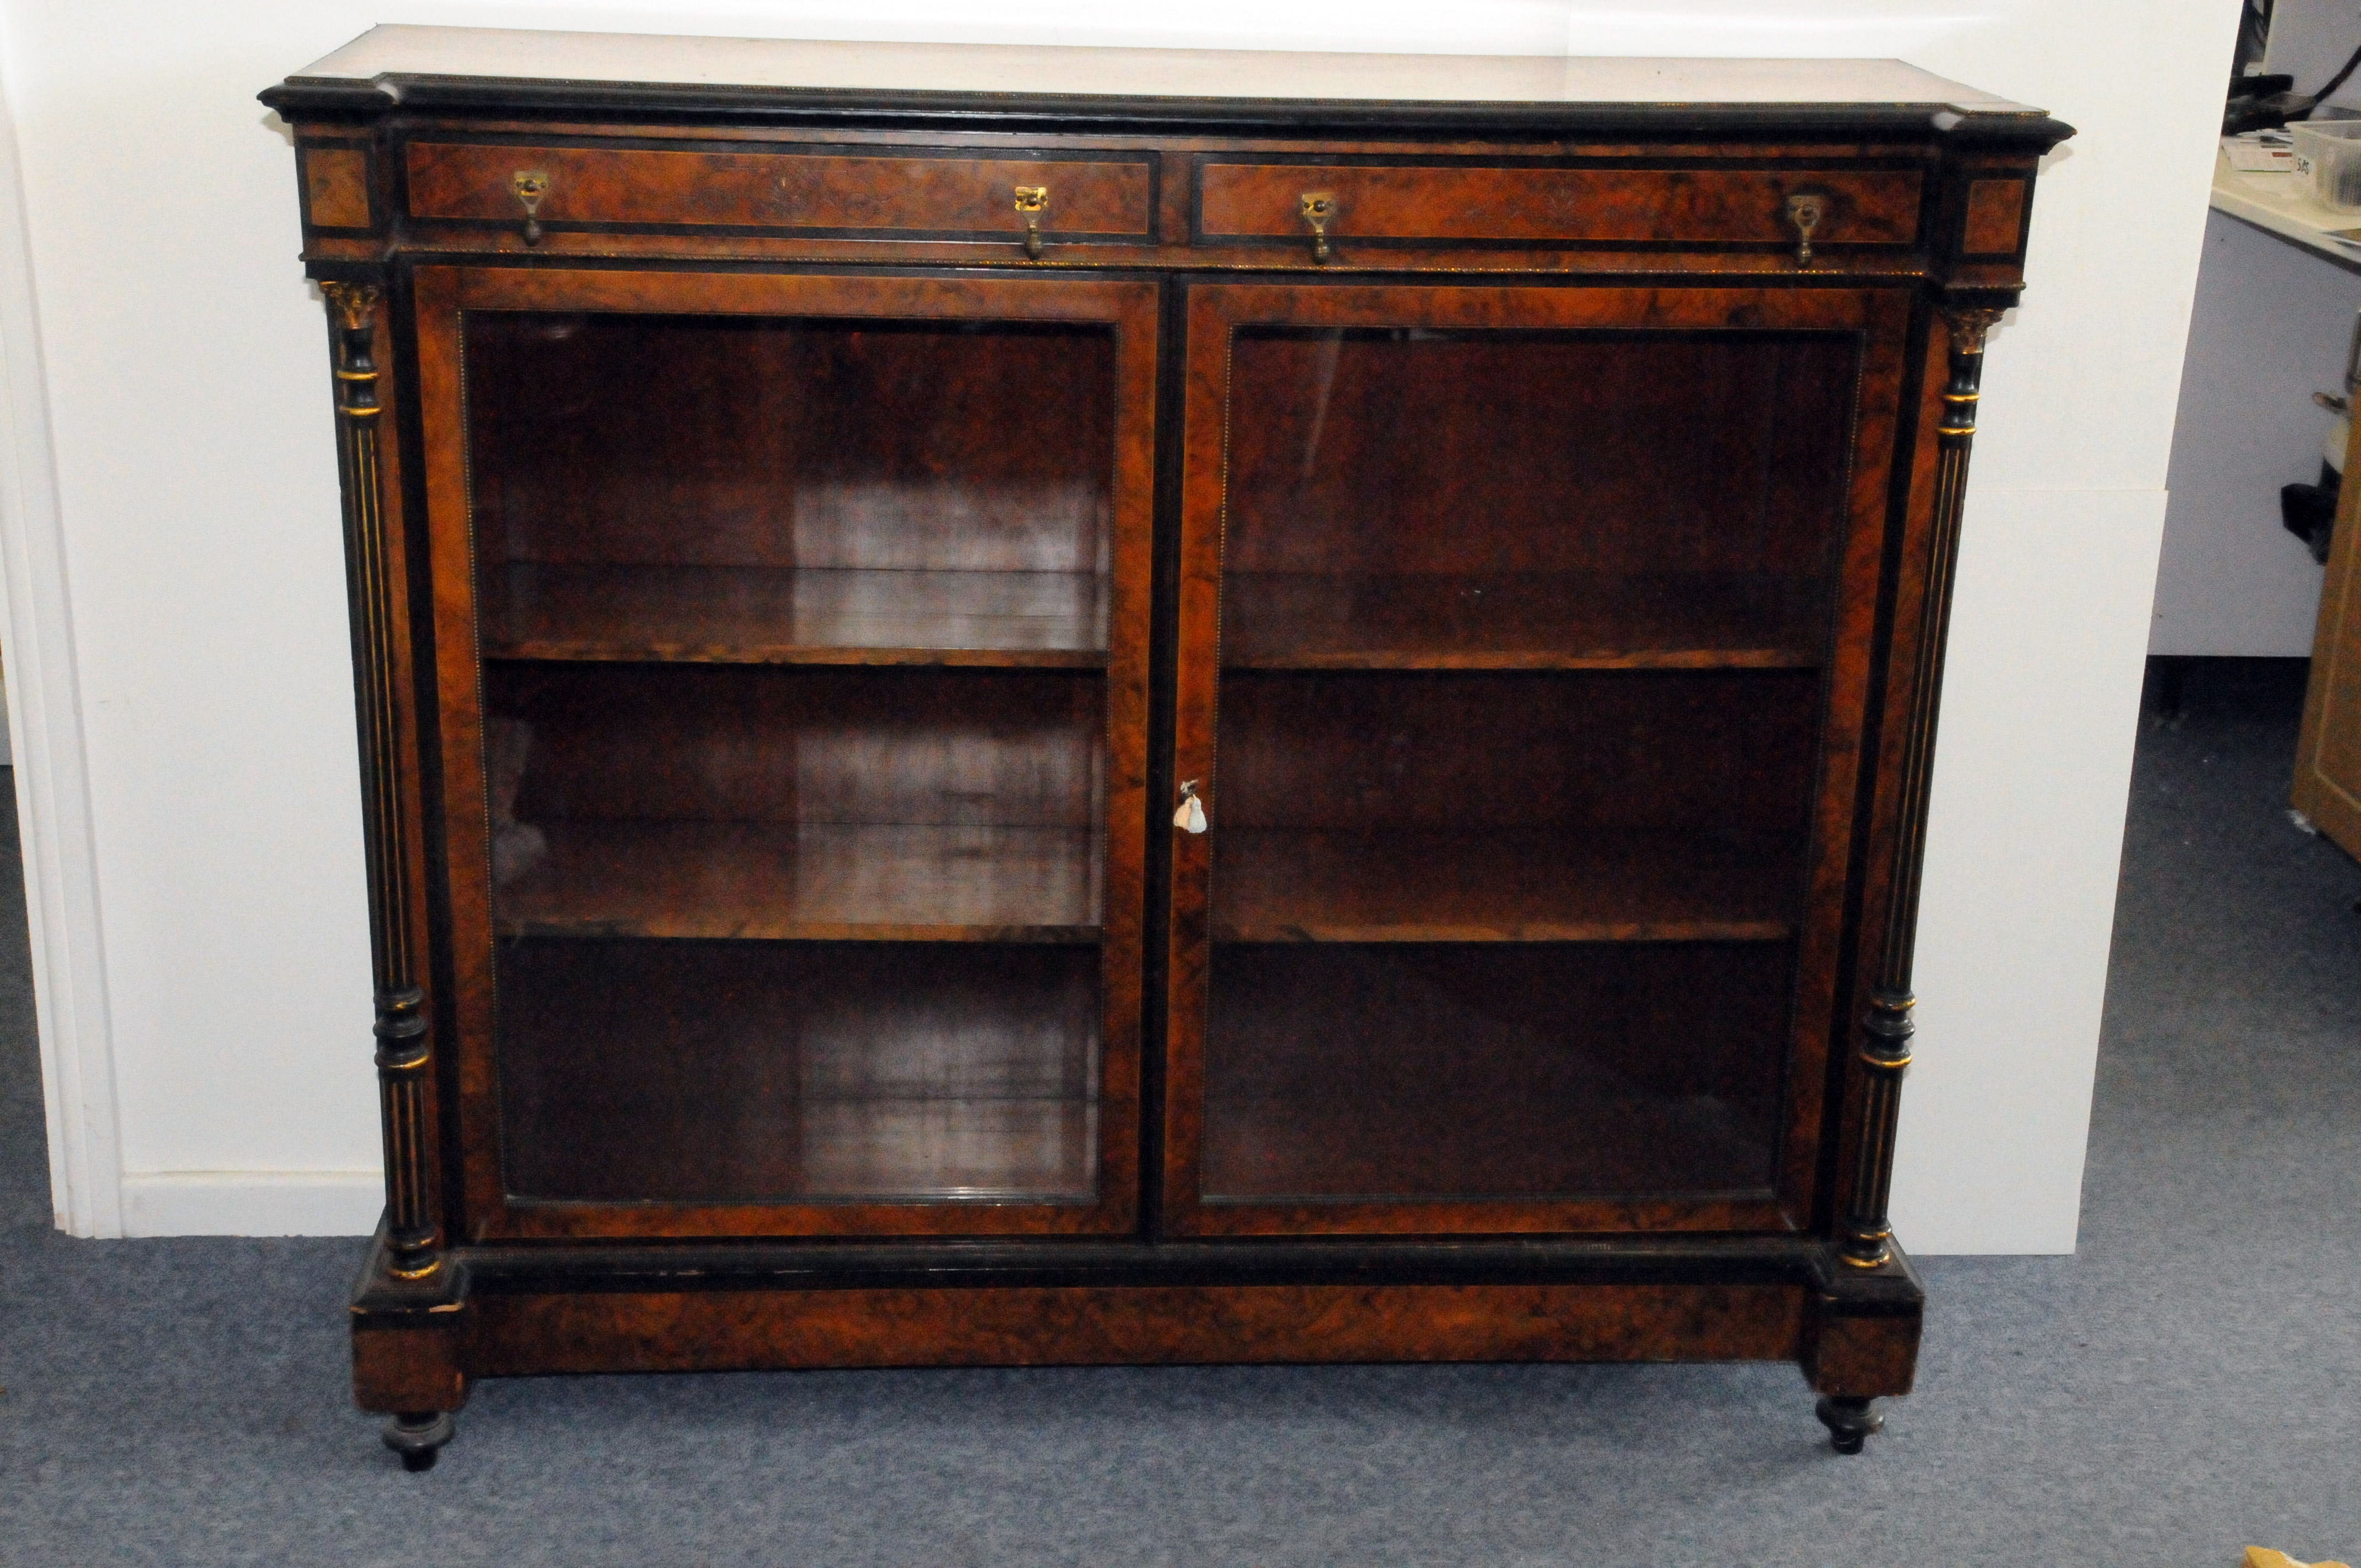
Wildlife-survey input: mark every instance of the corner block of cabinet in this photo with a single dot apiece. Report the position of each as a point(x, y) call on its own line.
point(1862, 1327)
point(410, 1338)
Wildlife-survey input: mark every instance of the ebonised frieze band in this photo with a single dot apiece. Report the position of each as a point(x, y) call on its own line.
point(1888, 1026)
point(405, 1044)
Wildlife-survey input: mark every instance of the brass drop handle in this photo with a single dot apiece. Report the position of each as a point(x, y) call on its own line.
point(1318, 207)
point(529, 185)
point(1032, 200)
point(1190, 816)
point(1804, 211)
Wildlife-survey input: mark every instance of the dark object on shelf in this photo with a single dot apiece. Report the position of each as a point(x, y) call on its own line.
point(2309, 511)
point(2165, 692)
point(1541, 496)
point(2264, 102)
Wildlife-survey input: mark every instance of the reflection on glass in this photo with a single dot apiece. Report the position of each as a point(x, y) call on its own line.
point(814, 1071)
point(1523, 647)
point(1433, 1071)
point(794, 719)
point(1437, 499)
point(750, 489)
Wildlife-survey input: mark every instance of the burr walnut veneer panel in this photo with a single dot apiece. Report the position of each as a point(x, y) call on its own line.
point(874, 190)
point(1418, 204)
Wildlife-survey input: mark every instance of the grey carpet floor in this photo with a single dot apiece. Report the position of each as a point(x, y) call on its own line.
point(2188, 1384)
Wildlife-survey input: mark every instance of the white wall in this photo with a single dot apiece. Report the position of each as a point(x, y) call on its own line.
point(196, 490)
point(2310, 39)
point(2270, 328)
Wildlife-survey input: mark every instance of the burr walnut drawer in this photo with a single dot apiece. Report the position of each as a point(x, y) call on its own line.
point(1400, 205)
point(871, 193)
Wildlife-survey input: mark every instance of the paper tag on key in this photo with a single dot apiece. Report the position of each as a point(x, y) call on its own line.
point(1190, 816)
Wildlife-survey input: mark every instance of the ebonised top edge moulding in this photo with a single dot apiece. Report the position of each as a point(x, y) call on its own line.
point(1029, 705)
point(533, 71)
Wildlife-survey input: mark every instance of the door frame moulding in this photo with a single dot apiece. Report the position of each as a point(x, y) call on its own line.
point(55, 820)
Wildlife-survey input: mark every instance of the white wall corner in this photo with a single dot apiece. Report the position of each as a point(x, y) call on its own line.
point(44, 727)
point(2024, 853)
point(206, 1081)
point(252, 1202)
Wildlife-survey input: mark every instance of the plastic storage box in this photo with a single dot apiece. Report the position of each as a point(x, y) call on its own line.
point(2329, 156)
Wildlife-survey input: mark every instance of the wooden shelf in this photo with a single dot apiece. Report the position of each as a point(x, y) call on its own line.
point(798, 1071)
point(783, 882)
point(898, 1150)
point(1455, 1072)
point(1589, 621)
point(1565, 885)
point(950, 1149)
point(1438, 1141)
point(760, 615)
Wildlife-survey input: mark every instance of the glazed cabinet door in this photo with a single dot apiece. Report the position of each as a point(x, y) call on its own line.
point(1524, 649)
point(791, 641)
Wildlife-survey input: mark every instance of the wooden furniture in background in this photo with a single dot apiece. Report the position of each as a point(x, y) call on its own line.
point(2328, 751)
point(1097, 705)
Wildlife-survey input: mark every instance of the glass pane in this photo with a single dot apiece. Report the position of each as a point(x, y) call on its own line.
point(727, 488)
point(1412, 806)
point(1411, 496)
point(683, 801)
point(813, 1070)
point(1522, 671)
point(1435, 1071)
point(794, 722)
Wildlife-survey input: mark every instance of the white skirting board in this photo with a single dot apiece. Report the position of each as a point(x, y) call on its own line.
point(252, 1202)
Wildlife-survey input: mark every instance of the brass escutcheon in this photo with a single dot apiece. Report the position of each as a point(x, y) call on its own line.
point(1318, 207)
point(1804, 211)
point(529, 185)
point(1032, 200)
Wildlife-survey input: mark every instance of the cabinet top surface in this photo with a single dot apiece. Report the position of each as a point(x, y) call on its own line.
point(474, 66)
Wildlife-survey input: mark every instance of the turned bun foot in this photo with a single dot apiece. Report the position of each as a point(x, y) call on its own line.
point(1850, 1421)
point(419, 1436)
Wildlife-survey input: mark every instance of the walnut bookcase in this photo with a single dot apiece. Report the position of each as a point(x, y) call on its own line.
point(829, 524)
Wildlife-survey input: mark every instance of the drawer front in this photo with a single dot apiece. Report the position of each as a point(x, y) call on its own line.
point(1479, 205)
point(871, 194)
